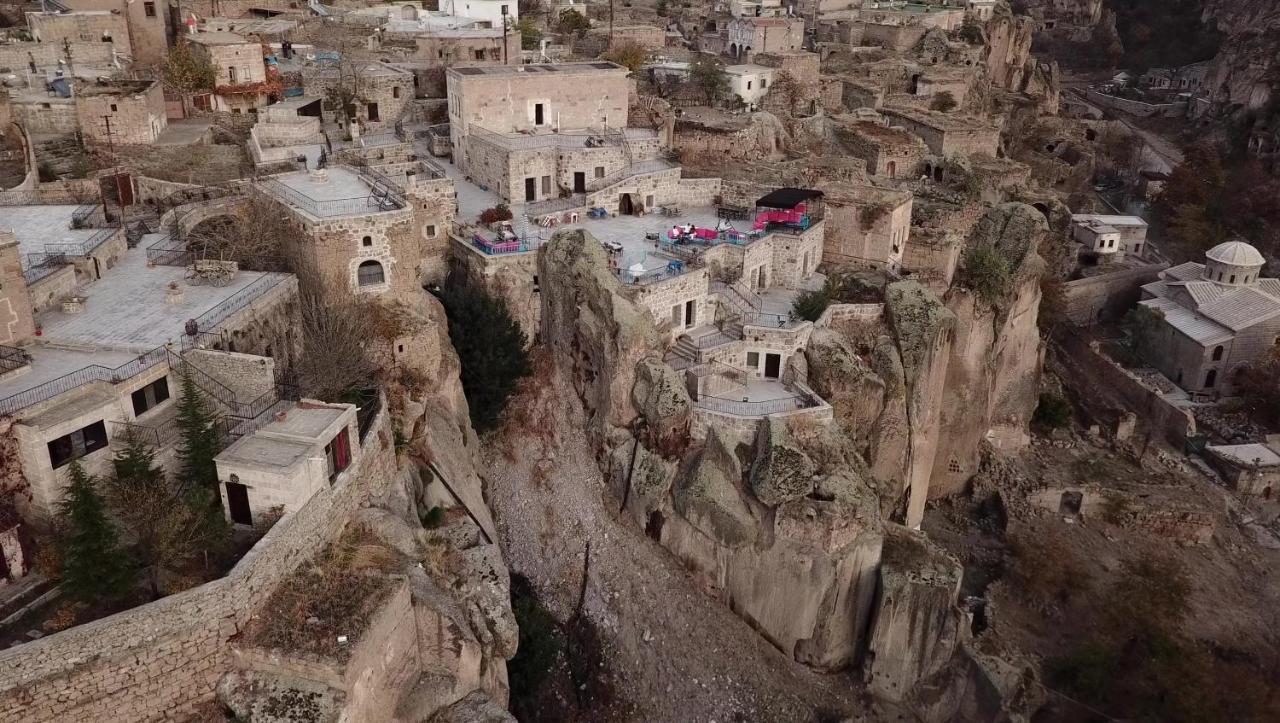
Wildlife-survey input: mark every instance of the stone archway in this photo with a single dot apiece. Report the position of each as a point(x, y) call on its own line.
point(626, 205)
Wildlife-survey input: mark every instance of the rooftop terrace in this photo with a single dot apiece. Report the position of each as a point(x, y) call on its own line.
point(560, 68)
point(40, 226)
point(335, 192)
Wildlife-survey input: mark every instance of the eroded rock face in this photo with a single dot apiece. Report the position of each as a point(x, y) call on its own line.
point(596, 333)
point(781, 471)
point(660, 396)
point(851, 387)
point(269, 698)
point(917, 624)
point(710, 498)
point(475, 708)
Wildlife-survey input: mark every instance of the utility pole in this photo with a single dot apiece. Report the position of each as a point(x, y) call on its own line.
point(115, 173)
point(66, 50)
point(610, 25)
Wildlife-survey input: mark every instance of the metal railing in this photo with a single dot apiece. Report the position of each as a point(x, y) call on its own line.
point(80, 218)
point(40, 265)
point(168, 251)
point(80, 377)
point(210, 320)
point(674, 268)
point(497, 248)
point(12, 358)
point(83, 248)
point(628, 171)
point(372, 201)
point(155, 437)
point(572, 139)
point(555, 205)
point(747, 408)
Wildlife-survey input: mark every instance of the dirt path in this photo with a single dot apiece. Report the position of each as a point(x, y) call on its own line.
point(679, 655)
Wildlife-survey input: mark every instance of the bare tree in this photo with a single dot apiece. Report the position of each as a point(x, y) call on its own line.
point(256, 234)
point(339, 342)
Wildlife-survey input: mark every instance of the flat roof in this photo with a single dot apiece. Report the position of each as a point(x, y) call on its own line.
point(340, 192)
point(305, 422)
point(125, 310)
point(746, 68)
point(940, 121)
point(593, 67)
point(1109, 220)
point(255, 450)
point(1246, 454)
point(218, 37)
point(49, 363)
point(38, 226)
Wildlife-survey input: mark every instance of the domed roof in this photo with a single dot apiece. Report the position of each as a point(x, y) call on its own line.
point(1235, 253)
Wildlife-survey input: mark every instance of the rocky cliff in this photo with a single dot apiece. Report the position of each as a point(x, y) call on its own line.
point(1011, 66)
point(1246, 71)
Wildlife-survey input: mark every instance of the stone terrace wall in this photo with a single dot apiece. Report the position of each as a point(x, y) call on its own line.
point(837, 313)
point(1087, 299)
point(695, 192)
point(14, 56)
point(161, 660)
point(1174, 423)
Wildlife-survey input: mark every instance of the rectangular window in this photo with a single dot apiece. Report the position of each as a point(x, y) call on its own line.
point(150, 9)
point(599, 171)
point(149, 396)
point(753, 360)
point(79, 443)
point(431, 231)
point(546, 185)
point(231, 73)
point(113, 107)
point(748, 85)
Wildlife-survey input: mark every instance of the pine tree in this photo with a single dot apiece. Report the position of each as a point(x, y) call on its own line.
point(166, 526)
point(201, 440)
point(94, 566)
point(490, 348)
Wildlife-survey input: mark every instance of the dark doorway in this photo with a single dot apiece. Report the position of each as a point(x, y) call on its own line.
point(915, 84)
point(530, 189)
point(653, 528)
point(373, 111)
point(537, 114)
point(238, 503)
point(1211, 378)
point(579, 182)
point(625, 206)
point(690, 312)
point(1070, 503)
point(117, 188)
point(772, 366)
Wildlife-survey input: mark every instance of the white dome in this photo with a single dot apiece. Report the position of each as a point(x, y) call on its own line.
point(1235, 253)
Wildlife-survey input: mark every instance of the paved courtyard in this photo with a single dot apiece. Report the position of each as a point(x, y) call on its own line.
point(38, 226)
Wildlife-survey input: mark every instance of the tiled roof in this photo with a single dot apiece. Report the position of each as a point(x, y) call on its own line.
point(1158, 289)
point(1184, 272)
point(1241, 308)
point(1199, 328)
point(1204, 291)
point(1270, 286)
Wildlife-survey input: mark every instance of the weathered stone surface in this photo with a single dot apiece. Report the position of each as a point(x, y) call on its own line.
point(849, 386)
point(660, 396)
point(475, 708)
point(781, 471)
point(710, 499)
point(651, 479)
point(917, 624)
point(486, 592)
point(268, 698)
point(592, 330)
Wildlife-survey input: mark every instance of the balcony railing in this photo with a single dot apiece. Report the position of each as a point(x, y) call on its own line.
point(212, 318)
point(512, 246)
point(81, 377)
point(12, 358)
point(375, 200)
point(569, 139)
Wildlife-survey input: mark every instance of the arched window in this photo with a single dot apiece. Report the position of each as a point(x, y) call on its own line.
point(1233, 279)
point(370, 273)
point(1217, 353)
point(366, 241)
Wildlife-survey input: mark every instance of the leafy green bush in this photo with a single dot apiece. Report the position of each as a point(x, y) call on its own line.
point(986, 271)
point(433, 517)
point(491, 350)
point(943, 102)
point(810, 304)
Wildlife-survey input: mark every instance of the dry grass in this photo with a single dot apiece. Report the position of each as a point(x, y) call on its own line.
point(333, 595)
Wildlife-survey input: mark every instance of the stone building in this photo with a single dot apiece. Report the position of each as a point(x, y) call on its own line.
point(649, 37)
point(382, 91)
point(534, 133)
point(1250, 469)
point(286, 462)
point(867, 227)
point(888, 151)
point(744, 37)
point(945, 134)
point(1217, 317)
point(240, 75)
point(146, 22)
point(17, 323)
point(96, 26)
point(749, 82)
point(377, 236)
point(134, 108)
point(1110, 235)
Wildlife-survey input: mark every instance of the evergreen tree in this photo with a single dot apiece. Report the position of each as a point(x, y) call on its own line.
point(201, 440)
point(490, 348)
point(94, 567)
point(167, 527)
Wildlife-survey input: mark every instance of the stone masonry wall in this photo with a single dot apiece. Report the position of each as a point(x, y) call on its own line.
point(162, 660)
point(1089, 299)
point(17, 56)
point(136, 118)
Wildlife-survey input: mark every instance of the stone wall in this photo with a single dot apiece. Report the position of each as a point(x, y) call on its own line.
point(80, 27)
point(136, 117)
point(836, 314)
point(16, 57)
point(49, 290)
point(161, 661)
point(695, 192)
point(1137, 107)
point(16, 315)
point(46, 116)
point(1090, 299)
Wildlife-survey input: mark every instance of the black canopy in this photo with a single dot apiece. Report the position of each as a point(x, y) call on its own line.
point(787, 197)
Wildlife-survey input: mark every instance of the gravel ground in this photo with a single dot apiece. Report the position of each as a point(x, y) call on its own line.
point(677, 654)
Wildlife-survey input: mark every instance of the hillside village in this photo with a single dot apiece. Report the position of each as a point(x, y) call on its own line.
point(777, 360)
